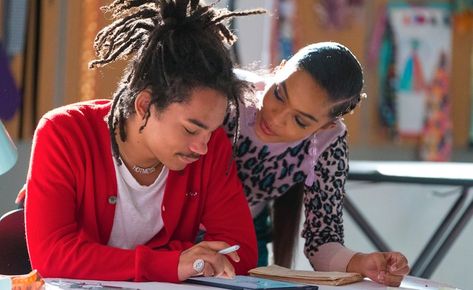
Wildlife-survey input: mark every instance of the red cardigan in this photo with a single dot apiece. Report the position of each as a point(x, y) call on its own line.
point(71, 189)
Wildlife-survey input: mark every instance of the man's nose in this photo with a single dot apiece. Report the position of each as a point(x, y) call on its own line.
point(199, 146)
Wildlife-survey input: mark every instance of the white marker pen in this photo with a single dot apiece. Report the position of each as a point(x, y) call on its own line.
point(229, 250)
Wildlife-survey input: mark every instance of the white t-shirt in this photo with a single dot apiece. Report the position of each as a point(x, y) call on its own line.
point(138, 209)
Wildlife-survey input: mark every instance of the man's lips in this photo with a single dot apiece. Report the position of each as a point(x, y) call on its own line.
point(189, 158)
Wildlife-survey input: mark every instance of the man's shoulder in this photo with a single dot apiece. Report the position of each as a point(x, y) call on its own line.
point(77, 118)
point(86, 112)
point(86, 109)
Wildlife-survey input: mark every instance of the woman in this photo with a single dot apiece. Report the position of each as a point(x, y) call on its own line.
point(117, 189)
point(292, 148)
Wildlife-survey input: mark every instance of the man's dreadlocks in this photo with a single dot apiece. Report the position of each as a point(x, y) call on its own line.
point(176, 45)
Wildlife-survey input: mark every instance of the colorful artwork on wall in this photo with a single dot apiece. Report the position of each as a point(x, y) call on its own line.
point(282, 42)
point(422, 73)
point(471, 100)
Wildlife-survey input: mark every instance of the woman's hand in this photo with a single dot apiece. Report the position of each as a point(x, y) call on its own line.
point(215, 264)
point(388, 268)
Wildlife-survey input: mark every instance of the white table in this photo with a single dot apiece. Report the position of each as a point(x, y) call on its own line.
point(409, 283)
point(416, 172)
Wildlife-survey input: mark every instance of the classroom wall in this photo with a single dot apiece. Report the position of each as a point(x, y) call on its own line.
point(64, 60)
point(70, 26)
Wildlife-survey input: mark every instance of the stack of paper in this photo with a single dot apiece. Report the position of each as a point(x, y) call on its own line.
point(275, 272)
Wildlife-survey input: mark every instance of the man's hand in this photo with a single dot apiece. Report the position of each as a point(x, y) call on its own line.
point(215, 264)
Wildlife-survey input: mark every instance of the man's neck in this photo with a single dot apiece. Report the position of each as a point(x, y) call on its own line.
point(133, 154)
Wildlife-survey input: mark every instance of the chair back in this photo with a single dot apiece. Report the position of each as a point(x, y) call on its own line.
point(14, 257)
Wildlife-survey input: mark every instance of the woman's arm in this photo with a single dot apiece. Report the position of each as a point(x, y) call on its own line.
point(323, 200)
point(323, 228)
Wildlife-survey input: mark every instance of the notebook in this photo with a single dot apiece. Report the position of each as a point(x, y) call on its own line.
point(275, 272)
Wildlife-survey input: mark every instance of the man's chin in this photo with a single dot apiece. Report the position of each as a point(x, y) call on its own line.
point(177, 166)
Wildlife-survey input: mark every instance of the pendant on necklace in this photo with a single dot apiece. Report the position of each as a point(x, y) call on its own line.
point(142, 170)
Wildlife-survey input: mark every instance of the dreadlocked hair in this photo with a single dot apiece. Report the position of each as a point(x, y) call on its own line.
point(176, 46)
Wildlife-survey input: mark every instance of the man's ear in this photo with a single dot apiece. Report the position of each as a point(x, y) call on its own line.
point(142, 102)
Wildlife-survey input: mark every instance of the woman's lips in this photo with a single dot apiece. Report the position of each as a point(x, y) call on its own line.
point(265, 128)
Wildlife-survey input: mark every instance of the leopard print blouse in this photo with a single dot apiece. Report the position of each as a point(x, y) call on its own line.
point(267, 171)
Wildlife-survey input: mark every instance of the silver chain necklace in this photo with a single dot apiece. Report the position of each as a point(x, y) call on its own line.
point(142, 170)
point(145, 170)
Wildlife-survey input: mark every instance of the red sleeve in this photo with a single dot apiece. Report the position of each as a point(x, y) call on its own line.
point(63, 232)
point(226, 214)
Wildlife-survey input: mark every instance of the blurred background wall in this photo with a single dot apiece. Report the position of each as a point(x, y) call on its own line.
point(48, 44)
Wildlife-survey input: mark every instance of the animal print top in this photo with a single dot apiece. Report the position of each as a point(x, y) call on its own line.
point(267, 171)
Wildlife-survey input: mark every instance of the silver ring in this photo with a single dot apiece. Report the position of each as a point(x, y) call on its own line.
point(198, 265)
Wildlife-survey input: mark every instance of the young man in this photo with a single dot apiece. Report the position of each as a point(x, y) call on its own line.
point(117, 189)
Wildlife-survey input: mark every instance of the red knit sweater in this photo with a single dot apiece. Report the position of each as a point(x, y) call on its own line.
point(69, 206)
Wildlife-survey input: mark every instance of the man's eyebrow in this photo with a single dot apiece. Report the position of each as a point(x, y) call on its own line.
point(300, 112)
point(198, 123)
